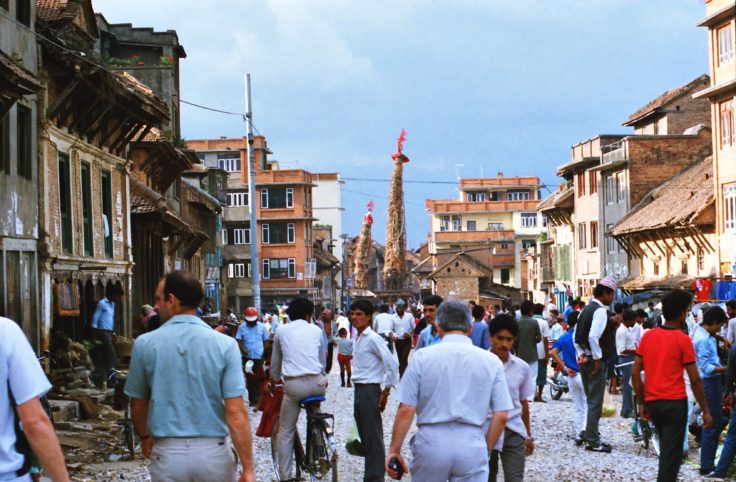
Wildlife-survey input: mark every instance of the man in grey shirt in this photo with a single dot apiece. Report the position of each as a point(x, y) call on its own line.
point(451, 387)
point(527, 338)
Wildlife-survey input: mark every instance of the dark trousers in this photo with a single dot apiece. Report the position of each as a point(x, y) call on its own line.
point(513, 458)
point(713, 388)
point(403, 348)
point(330, 348)
point(627, 408)
point(389, 343)
point(670, 421)
point(595, 387)
point(370, 427)
point(254, 381)
point(104, 356)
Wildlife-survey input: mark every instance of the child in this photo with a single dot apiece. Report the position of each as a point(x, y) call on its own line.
point(344, 355)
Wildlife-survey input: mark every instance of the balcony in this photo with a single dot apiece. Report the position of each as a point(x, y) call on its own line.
point(436, 206)
point(288, 177)
point(613, 152)
point(500, 236)
point(499, 182)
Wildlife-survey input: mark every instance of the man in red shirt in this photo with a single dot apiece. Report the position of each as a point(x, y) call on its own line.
point(663, 354)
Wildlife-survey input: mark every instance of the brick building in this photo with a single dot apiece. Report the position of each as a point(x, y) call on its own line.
point(91, 115)
point(721, 23)
point(19, 189)
point(493, 220)
point(672, 247)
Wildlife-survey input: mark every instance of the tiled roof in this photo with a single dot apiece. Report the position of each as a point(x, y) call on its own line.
point(141, 205)
point(667, 97)
point(52, 10)
point(690, 192)
point(22, 80)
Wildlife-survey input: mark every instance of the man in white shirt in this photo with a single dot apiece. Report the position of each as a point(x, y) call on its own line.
point(402, 325)
point(299, 357)
point(626, 349)
point(591, 324)
point(542, 352)
point(373, 365)
point(731, 313)
point(22, 383)
point(383, 324)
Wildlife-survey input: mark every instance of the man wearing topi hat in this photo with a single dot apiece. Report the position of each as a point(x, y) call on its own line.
point(589, 331)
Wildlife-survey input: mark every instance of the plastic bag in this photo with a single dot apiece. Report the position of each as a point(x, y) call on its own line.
point(354, 444)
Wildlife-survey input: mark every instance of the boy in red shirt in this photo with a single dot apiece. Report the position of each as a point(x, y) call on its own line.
point(663, 354)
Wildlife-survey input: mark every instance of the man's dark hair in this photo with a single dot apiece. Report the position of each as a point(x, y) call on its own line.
point(572, 320)
point(498, 307)
point(629, 315)
point(572, 301)
point(675, 302)
point(185, 287)
point(516, 307)
point(363, 305)
point(618, 308)
point(503, 322)
point(648, 324)
point(713, 315)
point(601, 290)
point(641, 314)
point(433, 300)
point(300, 308)
point(383, 308)
point(472, 303)
point(114, 290)
point(478, 312)
point(731, 304)
point(650, 304)
point(342, 331)
point(527, 308)
point(538, 309)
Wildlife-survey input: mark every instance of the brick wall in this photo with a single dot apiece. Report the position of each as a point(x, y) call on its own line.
point(654, 160)
point(692, 112)
point(465, 288)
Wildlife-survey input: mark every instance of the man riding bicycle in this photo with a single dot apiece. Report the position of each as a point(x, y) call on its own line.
point(299, 355)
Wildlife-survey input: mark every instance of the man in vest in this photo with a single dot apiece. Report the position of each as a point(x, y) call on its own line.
point(589, 343)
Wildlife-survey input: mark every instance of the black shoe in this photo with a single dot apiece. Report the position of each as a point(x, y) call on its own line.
point(579, 441)
point(714, 476)
point(603, 448)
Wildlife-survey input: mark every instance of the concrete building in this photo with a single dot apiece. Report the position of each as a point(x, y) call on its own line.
point(90, 118)
point(721, 23)
point(493, 220)
point(557, 252)
point(19, 192)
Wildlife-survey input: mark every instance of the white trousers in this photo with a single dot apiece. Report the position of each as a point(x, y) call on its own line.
point(192, 460)
point(534, 367)
point(454, 452)
point(579, 403)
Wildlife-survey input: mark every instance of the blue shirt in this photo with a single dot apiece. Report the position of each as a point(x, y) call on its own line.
point(252, 338)
point(479, 335)
point(567, 312)
point(104, 317)
point(432, 385)
point(426, 338)
point(706, 351)
point(566, 345)
point(185, 369)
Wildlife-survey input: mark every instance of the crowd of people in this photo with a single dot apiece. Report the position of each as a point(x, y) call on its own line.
point(187, 387)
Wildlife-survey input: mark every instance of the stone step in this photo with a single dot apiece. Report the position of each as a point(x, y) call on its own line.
point(64, 410)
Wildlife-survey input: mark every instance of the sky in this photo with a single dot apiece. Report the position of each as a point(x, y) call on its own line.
point(479, 86)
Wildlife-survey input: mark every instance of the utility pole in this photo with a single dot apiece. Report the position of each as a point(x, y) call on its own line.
point(256, 267)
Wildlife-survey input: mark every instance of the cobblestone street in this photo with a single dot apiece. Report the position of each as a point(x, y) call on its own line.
point(555, 458)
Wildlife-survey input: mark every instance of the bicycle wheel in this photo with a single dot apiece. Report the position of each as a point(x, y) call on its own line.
point(298, 451)
point(130, 438)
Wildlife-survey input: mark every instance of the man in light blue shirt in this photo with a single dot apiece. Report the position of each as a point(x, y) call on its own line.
point(451, 387)
point(710, 369)
point(103, 326)
point(186, 388)
point(251, 336)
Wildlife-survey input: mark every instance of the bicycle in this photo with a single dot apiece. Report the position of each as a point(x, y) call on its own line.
point(320, 457)
point(643, 431)
point(130, 440)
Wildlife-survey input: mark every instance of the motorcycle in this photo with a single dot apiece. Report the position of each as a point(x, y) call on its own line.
point(557, 382)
